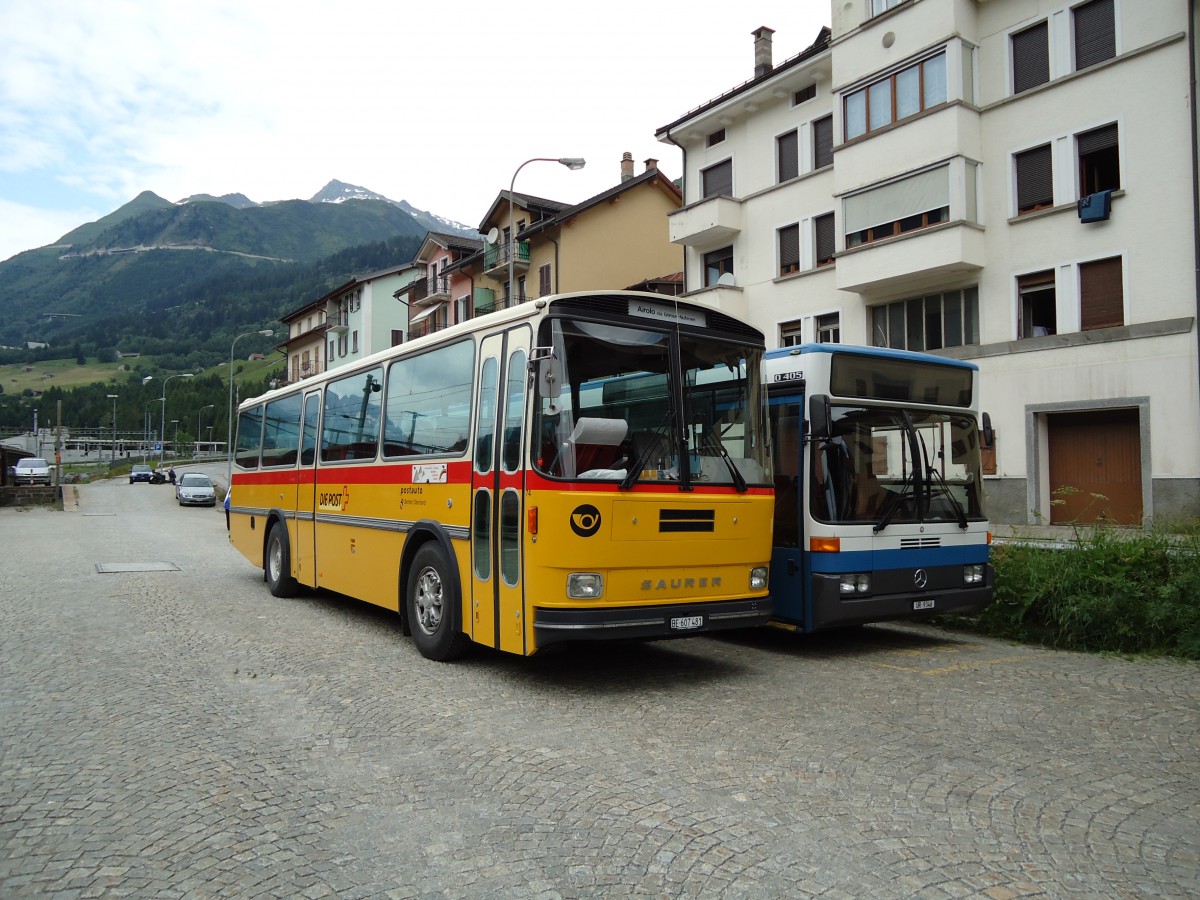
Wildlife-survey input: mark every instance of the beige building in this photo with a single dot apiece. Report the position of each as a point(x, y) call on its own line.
point(1010, 182)
point(612, 240)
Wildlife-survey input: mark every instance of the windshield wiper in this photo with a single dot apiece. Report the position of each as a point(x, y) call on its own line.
point(960, 514)
point(713, 440)
point(894, 502)
point(635, 470)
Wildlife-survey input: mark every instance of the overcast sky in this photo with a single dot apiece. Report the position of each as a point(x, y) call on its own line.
point(100, 101)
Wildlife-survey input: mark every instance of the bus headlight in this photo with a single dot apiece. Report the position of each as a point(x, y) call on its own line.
point(585, 586)
point(973, 574)
point(758, 578)
point(859, 583)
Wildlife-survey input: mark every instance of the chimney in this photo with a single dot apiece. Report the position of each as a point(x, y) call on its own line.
point(762, 50)
point(652, 165)
point(626, 166)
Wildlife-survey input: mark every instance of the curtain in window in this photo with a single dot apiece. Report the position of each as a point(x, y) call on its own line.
point(935, 80)
point(908, 92)
point(1031, 57)
point(892, 202)
point(1095, 33)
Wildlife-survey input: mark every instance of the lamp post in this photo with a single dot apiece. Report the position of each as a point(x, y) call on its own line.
point(175, 440)
point(198, 415)
point(113, 398)
point(162, 421)
point(574, 163)
point(266, 332)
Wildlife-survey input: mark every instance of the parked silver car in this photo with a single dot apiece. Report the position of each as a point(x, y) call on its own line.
point(33, 470)
point(195, 489)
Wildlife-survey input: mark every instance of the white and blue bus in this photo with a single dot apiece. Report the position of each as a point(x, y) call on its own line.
point(879, 508)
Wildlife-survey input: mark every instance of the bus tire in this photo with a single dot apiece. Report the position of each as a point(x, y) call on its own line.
point(431, 600)
point(277, 563)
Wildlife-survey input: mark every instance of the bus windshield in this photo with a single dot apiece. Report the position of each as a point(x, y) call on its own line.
point(618, 409)
point(886, 466)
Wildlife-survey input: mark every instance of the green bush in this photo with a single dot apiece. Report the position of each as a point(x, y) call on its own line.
point(1110, 590)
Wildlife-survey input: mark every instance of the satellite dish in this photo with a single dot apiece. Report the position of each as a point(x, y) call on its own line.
point(727, 280)
point(493, 236)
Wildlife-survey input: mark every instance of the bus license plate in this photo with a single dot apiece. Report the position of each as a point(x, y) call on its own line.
point(922, 604)
point(684, 623)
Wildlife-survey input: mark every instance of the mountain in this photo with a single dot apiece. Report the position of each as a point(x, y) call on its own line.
point(237, 201)
point(225, 260)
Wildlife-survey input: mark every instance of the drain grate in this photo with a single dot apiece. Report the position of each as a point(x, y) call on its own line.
point(118, 568)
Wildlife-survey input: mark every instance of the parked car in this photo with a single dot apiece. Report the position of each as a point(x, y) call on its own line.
point(194, 489)
point(33, 470)
point(140, 472)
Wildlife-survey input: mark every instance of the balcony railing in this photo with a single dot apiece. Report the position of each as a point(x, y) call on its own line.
point(495, 256)
point(434, 287)
point(421, 329)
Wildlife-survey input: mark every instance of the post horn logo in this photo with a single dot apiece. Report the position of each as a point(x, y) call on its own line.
point(585, 520)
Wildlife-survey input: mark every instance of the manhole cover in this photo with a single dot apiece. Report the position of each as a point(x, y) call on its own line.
point(115, 568)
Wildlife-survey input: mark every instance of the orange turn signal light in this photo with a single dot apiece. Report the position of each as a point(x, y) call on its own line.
point(531, 519)
point(825, 544)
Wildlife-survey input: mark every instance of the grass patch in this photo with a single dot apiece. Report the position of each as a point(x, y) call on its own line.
point(1109, 590)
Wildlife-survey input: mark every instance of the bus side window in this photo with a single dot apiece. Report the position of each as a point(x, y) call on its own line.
point(486, 420)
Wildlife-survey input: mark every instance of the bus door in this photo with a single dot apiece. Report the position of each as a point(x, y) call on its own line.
point(788, 578)
point(305, 547)
point(497, 493)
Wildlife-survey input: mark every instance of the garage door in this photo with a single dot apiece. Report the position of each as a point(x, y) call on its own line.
point(1095, 467)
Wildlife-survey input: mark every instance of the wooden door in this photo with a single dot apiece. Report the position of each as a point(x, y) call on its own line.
point(1095, 467)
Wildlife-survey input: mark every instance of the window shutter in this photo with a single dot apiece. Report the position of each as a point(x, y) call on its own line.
point(1101, 298)
point(1035, 179)
point(1102, 138)
point(823, 142)
point(719, 179)
point(1031, 57)
point(789, 249)
point(787, 149)
point(824, 238)
point(1095, 33)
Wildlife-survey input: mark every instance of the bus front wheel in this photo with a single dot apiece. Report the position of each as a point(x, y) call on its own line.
point(431, 598)
point(277, 563)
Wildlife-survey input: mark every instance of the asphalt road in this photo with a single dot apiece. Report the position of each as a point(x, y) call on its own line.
point(168, 729)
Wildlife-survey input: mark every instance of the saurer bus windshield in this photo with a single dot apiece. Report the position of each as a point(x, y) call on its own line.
point(611, 411)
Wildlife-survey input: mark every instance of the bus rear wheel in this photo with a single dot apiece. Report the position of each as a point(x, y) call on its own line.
point(431, 599)
point(277, 563)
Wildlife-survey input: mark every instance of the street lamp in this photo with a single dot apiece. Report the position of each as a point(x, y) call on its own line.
point(198, 415)
point(175, 440)
point(113, 398)
point(574, 163)
point(266, 332)
point(162, 420)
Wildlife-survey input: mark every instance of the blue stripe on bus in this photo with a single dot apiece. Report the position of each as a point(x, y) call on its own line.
point(877, 560)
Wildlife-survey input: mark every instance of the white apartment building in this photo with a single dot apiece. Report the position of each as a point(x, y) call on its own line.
point(914, 179)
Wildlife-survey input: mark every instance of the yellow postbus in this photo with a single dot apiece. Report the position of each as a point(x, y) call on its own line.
point(580, 467)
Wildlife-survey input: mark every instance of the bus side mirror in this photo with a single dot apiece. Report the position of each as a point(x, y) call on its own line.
point(987, 434)
point(550, 382)
point(820, 418)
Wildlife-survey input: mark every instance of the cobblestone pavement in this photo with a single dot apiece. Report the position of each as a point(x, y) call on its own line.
point(171, 730)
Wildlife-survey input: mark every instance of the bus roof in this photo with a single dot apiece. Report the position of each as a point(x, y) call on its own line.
point(499, 317)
